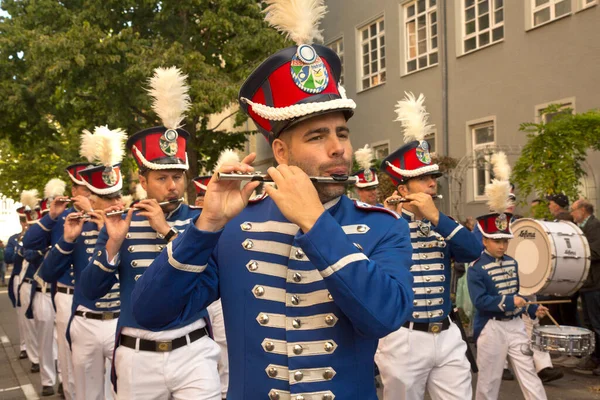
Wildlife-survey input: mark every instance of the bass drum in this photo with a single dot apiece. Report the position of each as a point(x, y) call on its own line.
point(553, 257)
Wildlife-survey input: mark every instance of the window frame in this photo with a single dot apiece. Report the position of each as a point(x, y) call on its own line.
point(479, 148)
point(339, 39)
point(429, 10)
point(493, 25)
point(360, 58)
point(380, 143)
point(551, 3)
point(568, 102)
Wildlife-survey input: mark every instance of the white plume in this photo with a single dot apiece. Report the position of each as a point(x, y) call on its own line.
point(54, 187)
point(364, 157)
point(500, 166)
point(87, 149)
point(297, 19)
point(227, 156)
point(127, 200)
point(170, 94)
point(30, 198)
point(104, 146)
point(140, 193)
point(498, 191)
point(414, 118)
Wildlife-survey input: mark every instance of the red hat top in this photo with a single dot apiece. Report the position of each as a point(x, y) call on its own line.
point(298, 82)
point(496, 225)
point(413, 159)
point(31, 205)
point(367, 175)
point(73, 172)
point(105, 148)
point(164, 147)
point(200, 183)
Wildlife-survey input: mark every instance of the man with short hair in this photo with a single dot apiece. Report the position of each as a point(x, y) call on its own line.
point(583, 214)
point(558, 204)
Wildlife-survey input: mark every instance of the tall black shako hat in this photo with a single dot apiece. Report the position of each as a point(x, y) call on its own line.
point(413, 159)
point(298, 82)
point(164, 147)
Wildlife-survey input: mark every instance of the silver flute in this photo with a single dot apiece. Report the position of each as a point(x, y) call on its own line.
point(162, 203)
point(398, 200)
point(257, 176)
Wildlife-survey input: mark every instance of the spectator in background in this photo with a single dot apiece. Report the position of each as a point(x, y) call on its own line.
point(583, 214)
point(470, 223)
point(2, 265)
point(558, 204)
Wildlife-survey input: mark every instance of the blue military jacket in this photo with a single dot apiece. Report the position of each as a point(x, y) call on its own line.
point(493, 285)
point(303, 311)
point(433, 249)
point(140, 247)
point(13, 255)
point(45, 233)
point(74, 257)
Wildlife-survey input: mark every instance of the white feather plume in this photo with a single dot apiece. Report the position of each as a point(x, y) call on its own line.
point(364, 157)
point(87, 149)
point(127, 200)
point(170, 96)
point(227, 156)
point(498, 191)
point(54, 187)
point(30, 198)
point(500, 166)
point(140, 193)
point(297, 19)
point(414, 118)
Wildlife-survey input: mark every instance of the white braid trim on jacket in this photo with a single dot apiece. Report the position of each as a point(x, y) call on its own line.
point(158, 167)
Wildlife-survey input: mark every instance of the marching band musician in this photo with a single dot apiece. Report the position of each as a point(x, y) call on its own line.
point(493, 286)
point(45, 233)
point(308, 279)
point(179, 361)
point(429, 350)
point(92, 323)
point(367, 185)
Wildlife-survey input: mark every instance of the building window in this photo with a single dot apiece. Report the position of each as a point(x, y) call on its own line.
point(565, 108)
point(421, 35)
point(483, 23)
point(548, 10)
point(372, 42)
point(381, 149)
point(483, 138)
point(430, 139)
point(338, 47)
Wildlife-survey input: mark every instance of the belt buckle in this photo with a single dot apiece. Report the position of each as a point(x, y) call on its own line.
point(106, 316)
point(435, 327)
point(164, 346)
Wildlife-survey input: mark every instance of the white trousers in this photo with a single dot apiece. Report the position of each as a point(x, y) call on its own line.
point(187, 373)
point(64, 303)
point(20, 315)
point(497, 340)
point(412, 361)
point(31, 337)
point(215, 313)
point(92, 343)
point(43, 313)
point(541, 359)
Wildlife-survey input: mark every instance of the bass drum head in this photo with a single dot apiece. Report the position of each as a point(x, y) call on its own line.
point(532, 248)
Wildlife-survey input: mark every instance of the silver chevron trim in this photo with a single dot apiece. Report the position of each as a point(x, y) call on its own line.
point(183, 267)
point(341, 263)
point(308, 299)
point(285, 228)
point(311, 375)
point(284, 395)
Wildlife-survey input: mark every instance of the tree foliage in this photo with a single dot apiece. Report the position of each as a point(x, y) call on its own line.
point(74, 64)
point(551, 161)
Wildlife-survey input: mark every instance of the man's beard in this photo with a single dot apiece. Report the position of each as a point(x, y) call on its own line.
point(326, 191)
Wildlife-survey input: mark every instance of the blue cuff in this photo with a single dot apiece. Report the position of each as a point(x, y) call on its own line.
point(64, 247)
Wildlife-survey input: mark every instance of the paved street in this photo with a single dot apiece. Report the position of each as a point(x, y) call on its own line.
point(17, 383)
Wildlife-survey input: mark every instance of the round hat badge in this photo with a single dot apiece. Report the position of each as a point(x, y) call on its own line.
point(168, 142)
point(109, 176)
point(423, 152)
point(501, 222)
point(308, 70)
point(368, 175)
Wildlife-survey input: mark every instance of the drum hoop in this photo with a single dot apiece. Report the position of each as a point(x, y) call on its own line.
point(552, 244)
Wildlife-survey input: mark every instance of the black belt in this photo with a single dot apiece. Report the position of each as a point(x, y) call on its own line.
point(66, 290)
point(28, 280)
point(431, 327)
point(504, 318)
point(162, 346)
point(104, 316)
point(39, 289)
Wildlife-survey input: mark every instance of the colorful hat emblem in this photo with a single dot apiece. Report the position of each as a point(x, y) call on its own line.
point(168, 142)
point(422, 152)
point(369, 175)
point(109, 176)
point(501, 222)
point(308, 70)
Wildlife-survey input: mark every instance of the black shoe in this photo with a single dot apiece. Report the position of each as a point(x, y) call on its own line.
point(550, 374)
point(507, 375)
point(47, 391)
point(60, 390)
point(22, 355)
point(35, 368)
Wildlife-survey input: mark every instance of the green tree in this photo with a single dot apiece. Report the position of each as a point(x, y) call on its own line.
point(75, 64)
point(551, 161)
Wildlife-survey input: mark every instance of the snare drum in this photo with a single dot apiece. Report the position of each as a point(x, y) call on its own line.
point(566, 340)
point(553, 257)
